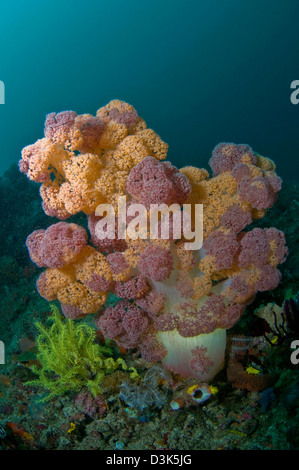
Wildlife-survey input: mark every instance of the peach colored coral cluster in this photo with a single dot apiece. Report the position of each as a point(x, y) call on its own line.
point(84, 160)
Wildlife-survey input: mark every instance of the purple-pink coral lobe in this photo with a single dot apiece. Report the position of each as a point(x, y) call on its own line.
point(236, 218)
point(156, 262)
point(123, 322)
point(255, 248)
point(128, 118)
point(226, 156)
point(133, 288)
point(57, 246)
point(71, 311)
point(223, 247)
point(154, 182)
point(257, 191)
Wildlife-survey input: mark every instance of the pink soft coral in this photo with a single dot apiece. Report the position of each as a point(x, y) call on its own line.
point(175, 305)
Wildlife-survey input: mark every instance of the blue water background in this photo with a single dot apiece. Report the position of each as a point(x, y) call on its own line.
point(199, 72)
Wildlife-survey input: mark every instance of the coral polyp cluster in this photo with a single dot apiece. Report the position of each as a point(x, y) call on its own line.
point(175, 304)
point(85, 160)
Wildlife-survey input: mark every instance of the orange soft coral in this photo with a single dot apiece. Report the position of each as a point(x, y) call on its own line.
point(176, 304)
point(82, 287)
point(110, 144)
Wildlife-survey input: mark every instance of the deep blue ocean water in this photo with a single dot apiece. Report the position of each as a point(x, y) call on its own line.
point(199, 72)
